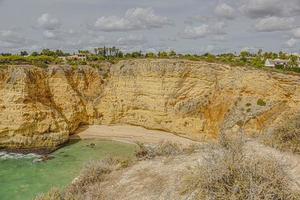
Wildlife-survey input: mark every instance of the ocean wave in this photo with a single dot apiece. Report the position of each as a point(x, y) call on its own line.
point(6, 155)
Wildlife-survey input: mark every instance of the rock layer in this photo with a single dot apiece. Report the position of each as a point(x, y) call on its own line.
point(40, 108)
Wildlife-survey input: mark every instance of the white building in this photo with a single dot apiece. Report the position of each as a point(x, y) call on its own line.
point(276, 62)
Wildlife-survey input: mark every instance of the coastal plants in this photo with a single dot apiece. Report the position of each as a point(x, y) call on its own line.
point(229, 173)
point(261, 102)
point(164, 148)
point(286, 137)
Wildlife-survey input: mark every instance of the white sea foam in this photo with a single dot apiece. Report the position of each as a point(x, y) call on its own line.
point(6, 155)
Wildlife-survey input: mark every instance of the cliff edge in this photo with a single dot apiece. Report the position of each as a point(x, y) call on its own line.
point(40, 108)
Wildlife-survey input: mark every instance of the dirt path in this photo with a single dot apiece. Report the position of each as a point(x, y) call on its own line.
point(127, 133)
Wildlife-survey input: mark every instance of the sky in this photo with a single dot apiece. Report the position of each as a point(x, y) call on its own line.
point(186, 26)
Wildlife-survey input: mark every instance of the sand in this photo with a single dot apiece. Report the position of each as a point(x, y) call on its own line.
point(129, 134)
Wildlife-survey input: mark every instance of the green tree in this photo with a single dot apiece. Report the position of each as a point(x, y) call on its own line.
point(150, 55)
point(34, 53)
point(24, 53)
point(293, 62)
point(172, 53)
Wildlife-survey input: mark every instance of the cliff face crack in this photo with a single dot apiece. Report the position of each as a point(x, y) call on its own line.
point(40, 108)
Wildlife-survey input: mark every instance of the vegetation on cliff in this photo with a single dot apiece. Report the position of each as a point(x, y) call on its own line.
point(114, 54)
point(286, 137)
point(232, 174)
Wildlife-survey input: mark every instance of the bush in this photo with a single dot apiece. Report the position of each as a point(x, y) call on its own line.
point(287, 137)
point(163, 149)
point(230, 174)
point(261, 102)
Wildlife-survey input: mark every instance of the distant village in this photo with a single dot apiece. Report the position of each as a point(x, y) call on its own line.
point(273, 63)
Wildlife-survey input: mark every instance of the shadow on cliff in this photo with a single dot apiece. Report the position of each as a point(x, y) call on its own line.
point(81, 128)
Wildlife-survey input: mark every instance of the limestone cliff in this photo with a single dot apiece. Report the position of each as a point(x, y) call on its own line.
point(40, 108)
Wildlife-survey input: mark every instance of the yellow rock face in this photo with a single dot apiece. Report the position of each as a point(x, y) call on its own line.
point(40, 108)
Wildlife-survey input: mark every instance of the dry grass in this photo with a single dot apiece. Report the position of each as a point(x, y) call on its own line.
point(53, 194)
point(286, 138)
point(163, 149)
point(228, 173)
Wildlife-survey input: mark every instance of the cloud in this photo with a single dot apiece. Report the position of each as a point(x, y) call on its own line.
point(49, 34)
point(296, 33)
point(12, 39)
point(291, 42)
point(195, 32)
point(204, 30)
point(134, 19)
point(223, 10)
point(267, 8)
point(270, 24)
point(132, 40)
point(261, 8)
point(47, 22)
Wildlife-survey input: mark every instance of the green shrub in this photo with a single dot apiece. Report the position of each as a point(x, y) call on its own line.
point(261, 102)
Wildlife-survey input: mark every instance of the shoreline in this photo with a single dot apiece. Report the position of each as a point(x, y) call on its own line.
point(120, 133)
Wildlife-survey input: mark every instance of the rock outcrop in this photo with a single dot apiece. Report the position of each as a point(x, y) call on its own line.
point(40, 108)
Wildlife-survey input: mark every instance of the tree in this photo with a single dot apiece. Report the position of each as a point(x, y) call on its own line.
point(23, 53)
point(150, 55)
point(172, 53)
point(259, 53)
point(47, 52)
point(86, 52)
point(282, 55)
point(293, 61)
point(163, 54)
point(34, 53)
point(244, 54)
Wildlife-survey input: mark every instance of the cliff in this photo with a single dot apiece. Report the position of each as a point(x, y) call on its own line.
point(40, 108)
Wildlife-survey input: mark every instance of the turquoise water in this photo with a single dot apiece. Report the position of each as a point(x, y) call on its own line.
point(23, 179)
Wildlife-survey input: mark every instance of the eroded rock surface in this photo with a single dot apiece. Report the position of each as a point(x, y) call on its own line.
point(40, 108)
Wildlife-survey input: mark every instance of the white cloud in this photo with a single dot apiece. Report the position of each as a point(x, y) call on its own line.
point(49, 34)
point(47, 22)
point(196, 32)
point(134, 19)
point(270, 24)
point(132, 40)
point(204, 30)
point(291, 42)
point(223, 10)
point(296, 32)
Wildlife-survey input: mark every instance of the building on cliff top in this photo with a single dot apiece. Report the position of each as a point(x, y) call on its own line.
point(276, 62)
